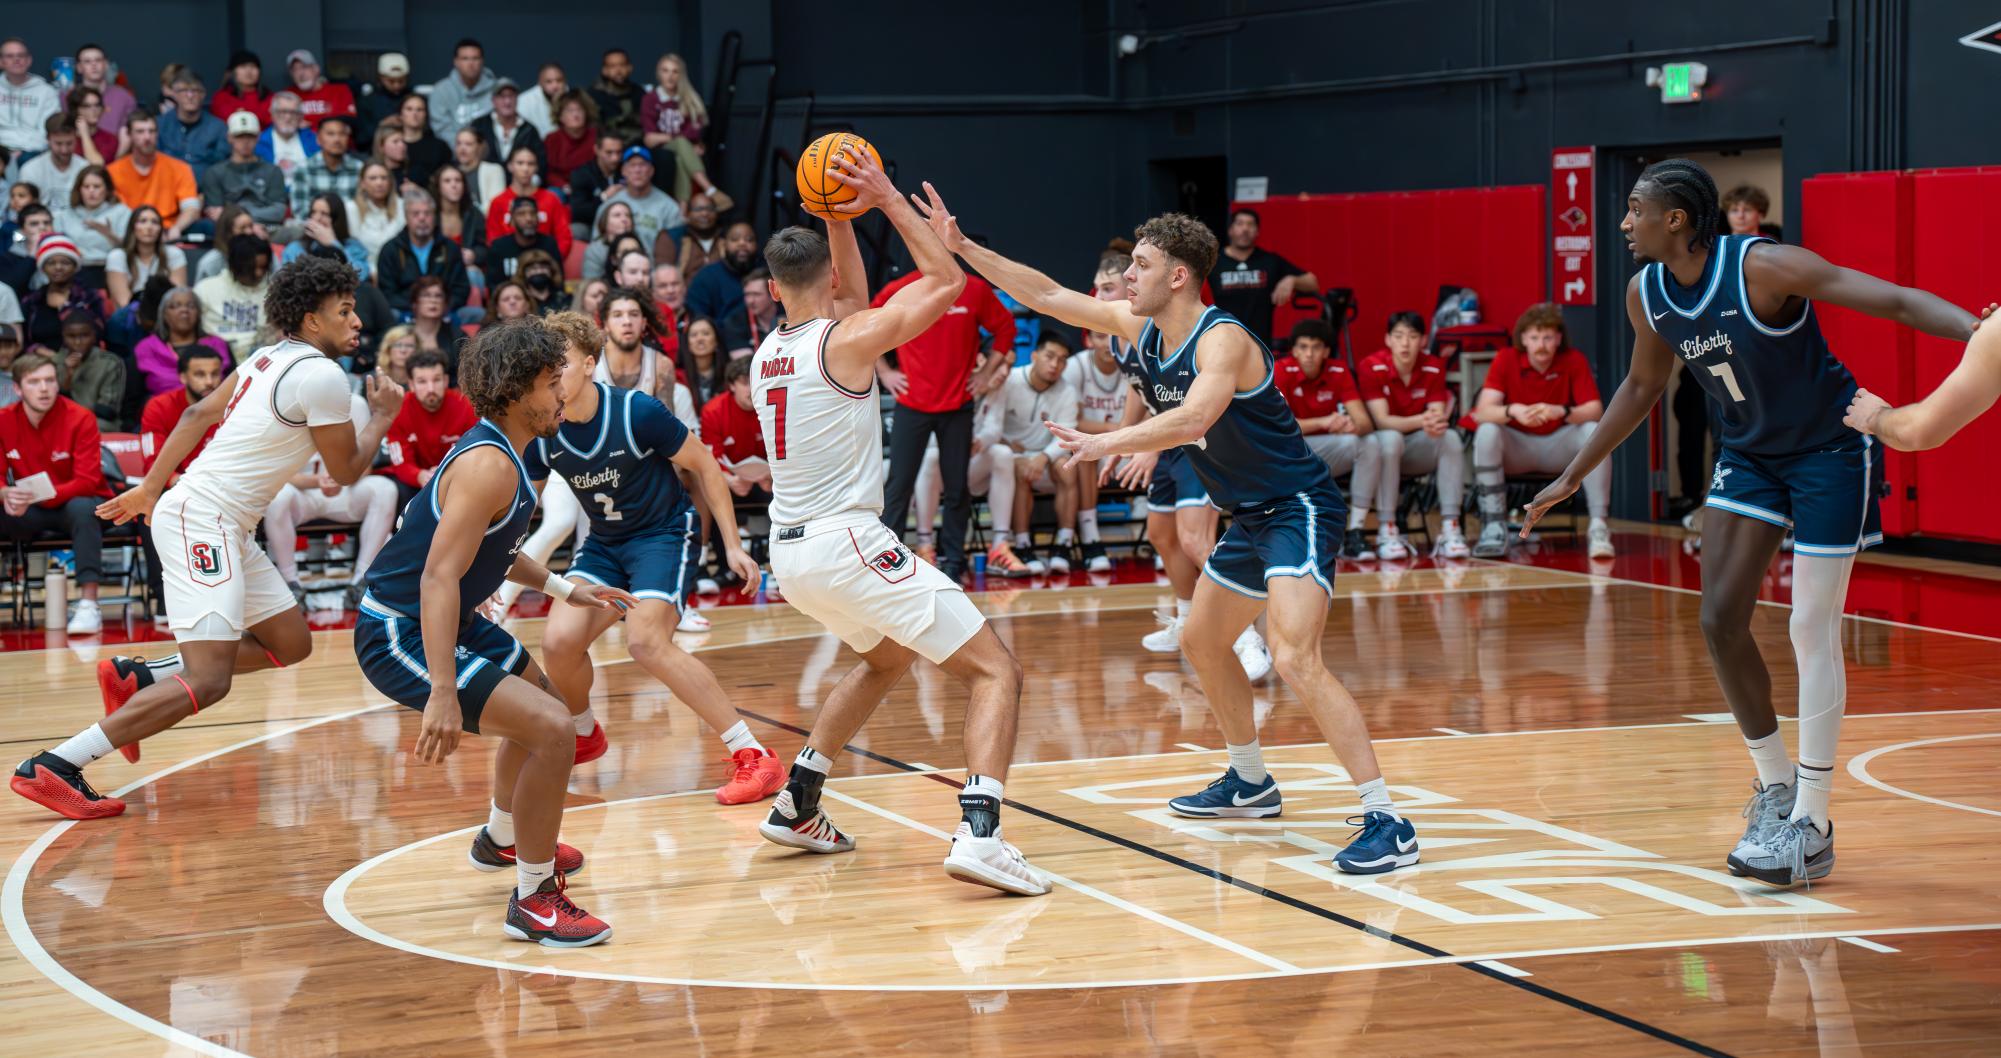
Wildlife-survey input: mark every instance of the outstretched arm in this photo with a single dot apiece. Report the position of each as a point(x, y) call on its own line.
point(1970, 390)
point(1653, 364)
point(1797, 271)
point(854, 346)
point(1223, 355)
point(1024, 284)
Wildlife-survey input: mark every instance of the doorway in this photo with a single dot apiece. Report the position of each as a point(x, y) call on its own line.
point(1198, 187)
point(1681, 447)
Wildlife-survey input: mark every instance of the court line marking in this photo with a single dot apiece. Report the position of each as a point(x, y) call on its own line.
point(14, 913)
point(1497, 965)
point(1193, 748)
point(1100, 895)
point(1863, 942)
point(1453, 731)
point(1858, 766)
point(1608, 578)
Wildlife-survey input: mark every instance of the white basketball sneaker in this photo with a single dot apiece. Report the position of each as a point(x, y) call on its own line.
point(1250, 648)
point(1165, 639)
point(993, 863)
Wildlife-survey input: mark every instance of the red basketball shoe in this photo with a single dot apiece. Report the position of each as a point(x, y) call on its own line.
point(118, 679)
point(59, 786)
point(592, 746)
point(754, 775)
point(488, 856)
point(548, 918)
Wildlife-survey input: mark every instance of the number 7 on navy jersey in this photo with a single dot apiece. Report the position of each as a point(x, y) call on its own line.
point(776, 398)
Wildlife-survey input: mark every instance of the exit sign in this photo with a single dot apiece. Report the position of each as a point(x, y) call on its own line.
point(1681, 82)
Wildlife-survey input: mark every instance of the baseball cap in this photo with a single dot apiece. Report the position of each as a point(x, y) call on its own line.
point(244, 123)
point(505, 84)
point(635, 152)
point(393, 64)
point(300, 55)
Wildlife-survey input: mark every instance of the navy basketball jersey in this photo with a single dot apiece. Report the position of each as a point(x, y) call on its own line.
point(1254, 453)
point(1780, 390)
point(396, 578)
point(618, 463)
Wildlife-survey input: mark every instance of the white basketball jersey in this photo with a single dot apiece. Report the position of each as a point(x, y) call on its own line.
point(824, 440)
point(264, 438)
point(1100, 397)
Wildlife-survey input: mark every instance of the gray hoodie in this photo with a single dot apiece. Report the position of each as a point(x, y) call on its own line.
point(256, 185)
point(24, 110)
point(454, 106)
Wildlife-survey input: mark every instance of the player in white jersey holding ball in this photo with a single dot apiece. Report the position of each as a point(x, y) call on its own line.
point(227, 605)
point(812, 383)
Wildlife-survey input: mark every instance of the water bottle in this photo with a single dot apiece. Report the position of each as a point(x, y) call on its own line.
point(767, 585)
point(979, 563)
point(63, 72)
point(1469, 306)
point(55, 598)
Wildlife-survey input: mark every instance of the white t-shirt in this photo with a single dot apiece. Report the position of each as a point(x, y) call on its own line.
point(54, 183)
point(288, 154)
point(1015, 413)
point(115, 261)
point(282, 391)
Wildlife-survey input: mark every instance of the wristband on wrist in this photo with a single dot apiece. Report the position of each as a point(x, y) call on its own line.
point(557, 588)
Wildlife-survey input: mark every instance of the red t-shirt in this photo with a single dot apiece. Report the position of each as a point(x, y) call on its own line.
point(66, 445)
point(162, 412)
point(227, 100)
point(938, 363)
point(1566, 384)
point(419, 438)
point(325, 101)
point(1312, 398)
point(1380, 381)
point(732, 432)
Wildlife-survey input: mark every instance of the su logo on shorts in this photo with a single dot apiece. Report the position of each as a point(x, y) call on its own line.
point(208, 562)
point(891, 560)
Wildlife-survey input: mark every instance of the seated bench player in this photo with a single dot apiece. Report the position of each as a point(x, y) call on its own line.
point(1411, 405)
point(1322, 395)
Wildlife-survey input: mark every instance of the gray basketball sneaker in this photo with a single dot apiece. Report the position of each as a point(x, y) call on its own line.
point(1768, 809)
point(1795, 852)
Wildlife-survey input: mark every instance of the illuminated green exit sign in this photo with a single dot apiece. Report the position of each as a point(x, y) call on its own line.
point(1681, 82)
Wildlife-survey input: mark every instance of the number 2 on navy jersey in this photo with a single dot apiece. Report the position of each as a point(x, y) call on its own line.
point(610, 515)
point(776, 398)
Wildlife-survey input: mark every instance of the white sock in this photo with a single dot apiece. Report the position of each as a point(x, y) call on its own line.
point(500, 826)
point(1181, 608)
point(1598, 523)
point(166, 667)
point(1376, 797)
point(812, 760)
point(1357, 517)
point(984, 785)
point(1064, 537)
point(1816, 786)
point(1249, 760)
point(529, 877)
point(585, 721)
point(740, 738)
point(1024, 540)
point(86, 746)
point(1775, 766)
point(1087, 525)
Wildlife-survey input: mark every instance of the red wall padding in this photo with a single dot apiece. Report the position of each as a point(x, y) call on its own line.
point(1395, 248)
point(1864, 221)
point(1956, 249)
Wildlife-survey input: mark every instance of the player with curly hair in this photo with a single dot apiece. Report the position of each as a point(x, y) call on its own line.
point(420, 641)
point(227, 604)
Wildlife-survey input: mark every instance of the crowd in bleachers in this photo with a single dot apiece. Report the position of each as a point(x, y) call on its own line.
point(142, 226)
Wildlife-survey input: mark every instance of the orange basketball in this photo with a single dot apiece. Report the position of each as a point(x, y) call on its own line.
point(820, 185)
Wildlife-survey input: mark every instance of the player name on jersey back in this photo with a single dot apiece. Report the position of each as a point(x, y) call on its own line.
point(824, 439)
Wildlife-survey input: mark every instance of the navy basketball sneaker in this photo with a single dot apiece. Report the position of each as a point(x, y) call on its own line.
point(1384, 844)
point(1230, 797)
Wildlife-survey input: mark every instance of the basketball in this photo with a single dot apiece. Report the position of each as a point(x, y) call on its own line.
point(820, 185)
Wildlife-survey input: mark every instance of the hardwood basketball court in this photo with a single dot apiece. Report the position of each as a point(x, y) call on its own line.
point(289, 881)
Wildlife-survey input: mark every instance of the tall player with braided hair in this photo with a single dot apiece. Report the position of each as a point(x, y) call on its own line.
point(227, 605)
point(1737, 312)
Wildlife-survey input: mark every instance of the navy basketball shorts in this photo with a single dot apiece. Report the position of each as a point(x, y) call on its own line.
point(1294, 536)
point(1827, 497)
point(390, 648)
point(659, 563)
point(1175, 485)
